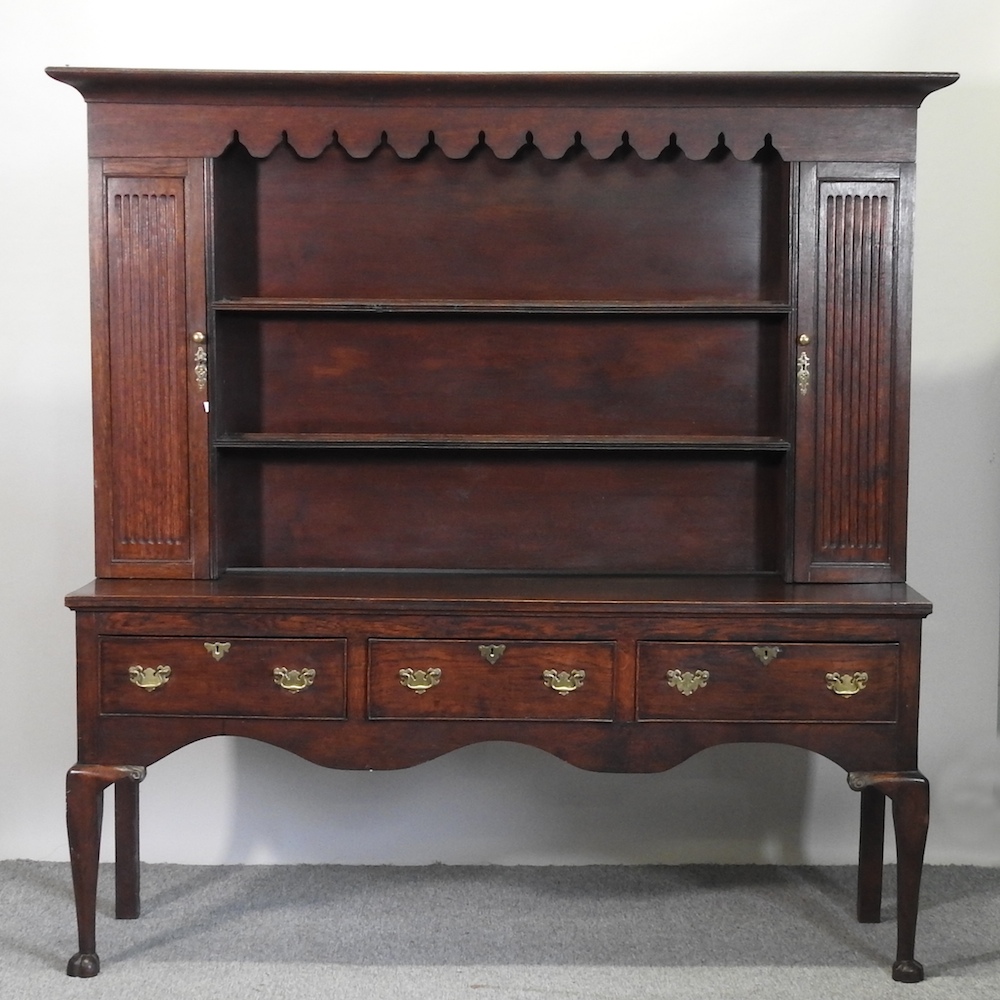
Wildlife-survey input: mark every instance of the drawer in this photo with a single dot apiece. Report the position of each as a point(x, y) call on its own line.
point(783, 682)
point(269, 678)
point(489, 679)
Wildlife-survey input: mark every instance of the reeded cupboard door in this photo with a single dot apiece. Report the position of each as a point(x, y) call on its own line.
point(151, 492)
point(852, 371)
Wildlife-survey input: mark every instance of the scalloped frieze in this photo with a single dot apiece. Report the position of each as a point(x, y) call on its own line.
point(505, 143)
point(796, 133)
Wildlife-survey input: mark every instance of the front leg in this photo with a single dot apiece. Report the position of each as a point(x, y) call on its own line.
point(85, 784)
point(909, 793)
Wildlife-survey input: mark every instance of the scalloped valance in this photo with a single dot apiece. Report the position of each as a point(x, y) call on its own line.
point(553, 139)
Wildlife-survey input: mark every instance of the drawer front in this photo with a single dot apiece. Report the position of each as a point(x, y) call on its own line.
point(489, 679)
point(265, 678)
point(782, 682)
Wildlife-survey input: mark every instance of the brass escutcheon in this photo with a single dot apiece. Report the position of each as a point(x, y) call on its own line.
point(201, 367)
point(491, 652)
point(149, 678)
point(420, 680)
point(218, 649)
point(847, 685)
point(687, 683)
point(802, 374)
point(293, 680)
point(564, 681)
point(766, 653)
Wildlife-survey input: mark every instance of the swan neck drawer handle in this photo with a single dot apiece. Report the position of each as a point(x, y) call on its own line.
point(149, 678)
point(564, 681)
point(687, 682)
point(847, 685)
point(420, 680)
point(293, 680)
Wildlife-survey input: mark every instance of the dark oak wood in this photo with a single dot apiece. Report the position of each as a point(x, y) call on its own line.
point(569, 410)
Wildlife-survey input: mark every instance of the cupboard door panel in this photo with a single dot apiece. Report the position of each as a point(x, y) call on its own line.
point(150, 508)
point(851, 360)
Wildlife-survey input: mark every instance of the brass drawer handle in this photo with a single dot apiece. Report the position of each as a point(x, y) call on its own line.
point(420, 680)
point(218, 649)
point(564, 681)
point(293, 680)
point(687, 683)
point(766, 654)
point(149, 678)
point(847, 685)
point(491, 652)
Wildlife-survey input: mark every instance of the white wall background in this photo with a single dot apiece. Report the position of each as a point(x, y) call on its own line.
point(234, 801)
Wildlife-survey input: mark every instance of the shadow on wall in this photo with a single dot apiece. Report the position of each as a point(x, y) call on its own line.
point(955, 559)
point(503, 803)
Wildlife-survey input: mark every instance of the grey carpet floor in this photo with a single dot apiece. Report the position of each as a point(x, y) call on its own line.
point(497, 933)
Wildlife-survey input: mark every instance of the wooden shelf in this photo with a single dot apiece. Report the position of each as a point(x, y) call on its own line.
point(477, 306)
point(651, 442)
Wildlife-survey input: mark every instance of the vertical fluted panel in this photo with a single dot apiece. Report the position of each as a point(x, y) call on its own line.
point(146, 293)
point(853, 460)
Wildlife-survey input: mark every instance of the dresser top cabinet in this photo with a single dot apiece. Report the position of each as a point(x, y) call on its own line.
point(625, 324)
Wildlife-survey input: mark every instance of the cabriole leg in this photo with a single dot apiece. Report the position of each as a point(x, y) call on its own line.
point(85, 784)
point(909, 793)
